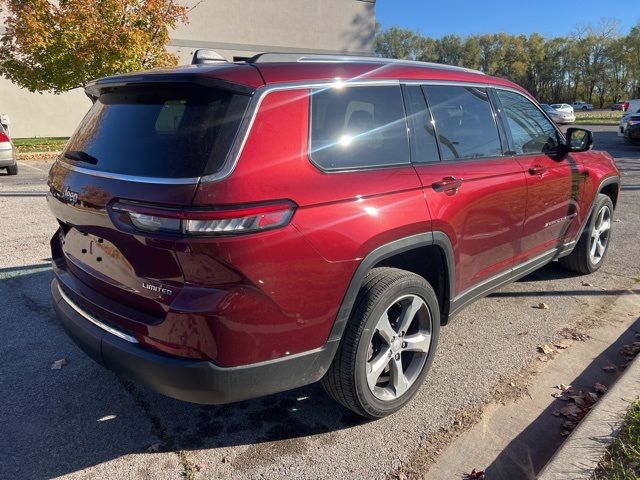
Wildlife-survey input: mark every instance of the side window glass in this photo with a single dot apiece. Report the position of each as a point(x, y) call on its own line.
point(464, 122)
point(424, 147)
point(531, 131)
point(358, 127)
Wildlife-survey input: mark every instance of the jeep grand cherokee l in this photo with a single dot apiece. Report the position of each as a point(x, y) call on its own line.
point(233, 230)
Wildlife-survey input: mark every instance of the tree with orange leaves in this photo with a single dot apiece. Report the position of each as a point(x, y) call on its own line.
point(58, 46)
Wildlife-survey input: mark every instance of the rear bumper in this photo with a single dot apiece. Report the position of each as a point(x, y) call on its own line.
point(194, 381)
point(7, 158)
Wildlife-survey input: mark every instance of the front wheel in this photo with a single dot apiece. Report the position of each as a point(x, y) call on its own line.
point(12, 169)
point(388, 345)
point(589, 254)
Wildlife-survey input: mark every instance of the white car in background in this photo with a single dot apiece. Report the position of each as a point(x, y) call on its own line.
point(559, 116)
point(563, 107)
point(632, 109)
point(582, 106)
point(7, 153)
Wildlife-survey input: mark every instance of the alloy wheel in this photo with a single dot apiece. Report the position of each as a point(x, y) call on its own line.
point(600, 235)
point(398, 348)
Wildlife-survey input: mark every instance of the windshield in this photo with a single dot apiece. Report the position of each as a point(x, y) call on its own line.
point(168, 131)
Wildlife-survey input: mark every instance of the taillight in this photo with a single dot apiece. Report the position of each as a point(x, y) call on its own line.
point(4, 137)
point(625, 106)
point(210, 222)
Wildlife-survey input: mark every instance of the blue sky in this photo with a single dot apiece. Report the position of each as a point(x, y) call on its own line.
point(437, 18)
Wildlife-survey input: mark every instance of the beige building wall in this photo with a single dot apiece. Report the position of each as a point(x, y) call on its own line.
point(234, 28)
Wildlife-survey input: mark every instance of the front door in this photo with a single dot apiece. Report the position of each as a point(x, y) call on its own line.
point(554, 184)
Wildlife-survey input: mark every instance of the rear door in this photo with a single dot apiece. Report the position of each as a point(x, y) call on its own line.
point(554, 184)
point(144, 145)
point(475, 195)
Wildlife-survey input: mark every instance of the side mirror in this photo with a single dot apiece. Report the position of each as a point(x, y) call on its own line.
point(579, 140)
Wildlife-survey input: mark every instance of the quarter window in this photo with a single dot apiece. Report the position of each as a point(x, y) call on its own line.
point(464, 122)
point(358, 127)
point(531, 131)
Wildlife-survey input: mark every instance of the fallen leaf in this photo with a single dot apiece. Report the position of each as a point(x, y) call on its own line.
point(587, 284)
point(600, 388)
point(565, 433)
point(438, 451)
point(542, 306)
point(617, 220)
point(609, 368)
point(546, 349)
point(225, 460)
point(543, 358)
point(555, 412)
point(568, 424)
point(593, 396)
point(562, 344)
point(571, 410)
point(58, 364)
point(155, 447)
point(402, 476)
point(476, 474)
point(578, 400)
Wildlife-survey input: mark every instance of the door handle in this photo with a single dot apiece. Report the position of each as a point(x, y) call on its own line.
point(537, 170)
point(446, 184)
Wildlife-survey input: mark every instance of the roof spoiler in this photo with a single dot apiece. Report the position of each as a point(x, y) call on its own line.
point(204, 56)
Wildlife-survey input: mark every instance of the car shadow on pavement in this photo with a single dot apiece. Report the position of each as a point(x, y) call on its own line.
point(526, 455)
point(57, 422)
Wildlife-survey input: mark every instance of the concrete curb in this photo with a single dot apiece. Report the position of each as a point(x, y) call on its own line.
point(585, 447)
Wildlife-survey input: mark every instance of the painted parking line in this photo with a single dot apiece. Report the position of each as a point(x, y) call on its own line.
point(24, 164)
point(14, 272)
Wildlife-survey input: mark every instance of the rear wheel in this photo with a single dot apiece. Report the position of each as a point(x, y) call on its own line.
point(589, 254)
point(388, 345)
point(13, 169)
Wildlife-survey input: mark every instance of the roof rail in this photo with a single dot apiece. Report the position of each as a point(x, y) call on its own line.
point(269, 57)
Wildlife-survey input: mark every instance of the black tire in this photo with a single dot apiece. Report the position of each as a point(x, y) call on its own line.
point(12, 169)
point(580, 259)
point(346, 380)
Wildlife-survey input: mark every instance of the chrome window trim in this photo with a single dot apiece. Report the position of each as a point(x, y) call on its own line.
point(237, 147)
point(96, 322)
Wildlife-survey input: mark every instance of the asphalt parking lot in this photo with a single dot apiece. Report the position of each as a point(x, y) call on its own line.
point(84, 422)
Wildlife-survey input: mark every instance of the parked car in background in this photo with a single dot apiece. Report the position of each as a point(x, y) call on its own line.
point(582, 106)
point(619, 106)
point(560, 117)
point(7, 153)
point(242, 229)
point(563, 107)
point(632, 129)
point(632, 109)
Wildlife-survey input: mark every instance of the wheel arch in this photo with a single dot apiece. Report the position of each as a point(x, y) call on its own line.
point(402, 253)
point(611, 188)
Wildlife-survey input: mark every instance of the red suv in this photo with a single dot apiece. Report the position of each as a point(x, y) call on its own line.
point(234, 230)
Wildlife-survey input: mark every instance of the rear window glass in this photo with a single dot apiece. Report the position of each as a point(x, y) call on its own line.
point(171, 131)
point(465, 124)
point(358, 127)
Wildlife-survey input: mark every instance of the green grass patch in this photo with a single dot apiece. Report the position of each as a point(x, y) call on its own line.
point(599, 117)
point(43, 144)
point(622, 461)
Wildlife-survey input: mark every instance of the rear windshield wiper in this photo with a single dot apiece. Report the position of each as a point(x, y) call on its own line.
point(80, 156)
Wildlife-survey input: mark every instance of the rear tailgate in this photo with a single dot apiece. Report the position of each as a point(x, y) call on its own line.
point(142, 142)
